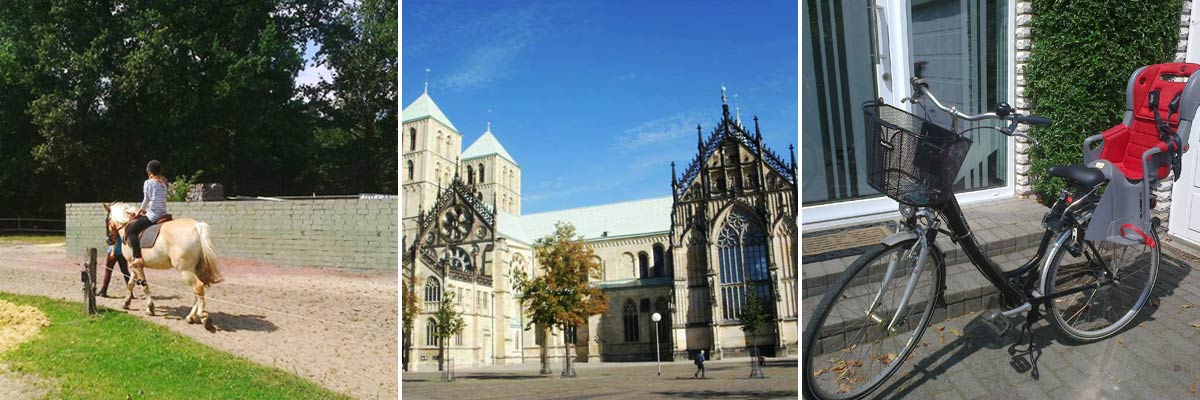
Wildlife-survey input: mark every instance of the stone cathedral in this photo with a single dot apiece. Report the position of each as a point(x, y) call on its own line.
point(728, 227)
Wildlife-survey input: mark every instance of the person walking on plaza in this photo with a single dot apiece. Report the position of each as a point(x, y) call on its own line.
point(699, 365)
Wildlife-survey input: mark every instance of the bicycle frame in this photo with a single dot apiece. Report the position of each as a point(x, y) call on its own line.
point(1018, 288)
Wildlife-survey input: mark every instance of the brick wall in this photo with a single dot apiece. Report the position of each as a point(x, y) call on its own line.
point(1023, 45)
point(343, 233)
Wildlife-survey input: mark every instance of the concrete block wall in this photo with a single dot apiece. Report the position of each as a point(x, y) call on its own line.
point(342, 233)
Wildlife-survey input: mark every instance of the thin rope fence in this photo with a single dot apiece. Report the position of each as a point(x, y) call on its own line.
point(55, 278)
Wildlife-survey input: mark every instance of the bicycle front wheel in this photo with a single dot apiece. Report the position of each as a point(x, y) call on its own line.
point(1108, 283)
point(851, 345)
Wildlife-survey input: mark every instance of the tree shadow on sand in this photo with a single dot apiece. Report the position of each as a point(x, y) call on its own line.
point(227, 322)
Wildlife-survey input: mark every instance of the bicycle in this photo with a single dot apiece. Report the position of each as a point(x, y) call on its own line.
point(874, 316)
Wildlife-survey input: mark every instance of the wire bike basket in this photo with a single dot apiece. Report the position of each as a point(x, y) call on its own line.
point(909, 159)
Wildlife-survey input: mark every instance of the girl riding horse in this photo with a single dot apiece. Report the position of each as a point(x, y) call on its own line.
point(154, 207)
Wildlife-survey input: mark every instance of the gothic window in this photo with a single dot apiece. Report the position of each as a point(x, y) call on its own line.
point(481, 173)
point(442, 142)
point(410, 170)
point(431, 332)
point(437, 173)
point(433, 291)
point(643, 265)
point(458, 339)
point(470, 175)
point(412, 138)
point(455, 223)
point(742, 258)
point(458, 260)
point(659, 266)
point(631, 321)
point(570, 335)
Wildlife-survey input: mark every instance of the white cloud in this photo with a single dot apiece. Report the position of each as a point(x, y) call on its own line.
point(661, 129)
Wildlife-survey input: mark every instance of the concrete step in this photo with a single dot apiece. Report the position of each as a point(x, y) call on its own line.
point(967, 291)
point(1002, 227)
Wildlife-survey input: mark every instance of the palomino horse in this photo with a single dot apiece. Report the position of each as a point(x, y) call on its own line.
point(183, 244)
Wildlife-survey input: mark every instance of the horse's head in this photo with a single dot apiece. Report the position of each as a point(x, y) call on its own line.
point(117, 215)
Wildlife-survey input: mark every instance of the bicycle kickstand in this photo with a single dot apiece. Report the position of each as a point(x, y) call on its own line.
point(1019, 363)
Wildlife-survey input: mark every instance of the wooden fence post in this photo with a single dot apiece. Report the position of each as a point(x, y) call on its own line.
point(89, 282)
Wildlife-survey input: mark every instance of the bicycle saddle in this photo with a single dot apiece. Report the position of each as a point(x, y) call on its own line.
point(1080, 176)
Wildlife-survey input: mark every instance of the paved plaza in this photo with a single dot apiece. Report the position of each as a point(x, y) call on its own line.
point(1156, 358)
point(726, 379)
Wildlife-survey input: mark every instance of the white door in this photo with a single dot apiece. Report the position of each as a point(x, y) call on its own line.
point(857, 51)
point(1185, 195)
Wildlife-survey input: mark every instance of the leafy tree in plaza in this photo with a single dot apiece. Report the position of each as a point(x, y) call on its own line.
point(561, 297)
point(752, 317)
point(411, 306)
point(449, 323)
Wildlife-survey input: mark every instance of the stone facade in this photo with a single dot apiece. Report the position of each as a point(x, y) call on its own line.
point(469, 239)
point(341, 233)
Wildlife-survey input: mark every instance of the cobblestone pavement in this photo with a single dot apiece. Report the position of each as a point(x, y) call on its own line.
point(726, 379)
point(1157, 357)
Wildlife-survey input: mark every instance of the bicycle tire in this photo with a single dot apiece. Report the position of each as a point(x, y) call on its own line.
point(811, 389)
point(1102, 330)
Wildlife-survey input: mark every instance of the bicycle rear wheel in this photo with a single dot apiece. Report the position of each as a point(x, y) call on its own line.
point(848, 352)
point(1096, 313)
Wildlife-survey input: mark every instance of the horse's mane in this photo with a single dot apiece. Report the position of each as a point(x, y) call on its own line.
point(119, 213)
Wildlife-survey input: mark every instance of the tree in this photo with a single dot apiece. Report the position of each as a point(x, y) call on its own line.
point(449, 323)
point(753, 318)
point(411, 307)
point(561, 297)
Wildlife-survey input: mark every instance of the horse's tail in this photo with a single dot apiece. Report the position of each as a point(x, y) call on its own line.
point(207, 270)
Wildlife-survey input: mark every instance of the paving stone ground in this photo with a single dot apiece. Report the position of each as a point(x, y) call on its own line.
point(1157, 357)
point(726, 379)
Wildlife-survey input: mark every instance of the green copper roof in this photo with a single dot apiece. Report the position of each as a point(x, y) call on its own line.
point(487, 145)
point(425, 107)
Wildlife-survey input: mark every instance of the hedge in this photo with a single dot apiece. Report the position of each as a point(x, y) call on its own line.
point(1083, 53)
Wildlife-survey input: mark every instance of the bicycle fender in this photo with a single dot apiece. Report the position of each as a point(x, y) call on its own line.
point(898, 237)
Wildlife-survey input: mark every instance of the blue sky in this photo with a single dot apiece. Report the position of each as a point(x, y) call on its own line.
point(595, 99)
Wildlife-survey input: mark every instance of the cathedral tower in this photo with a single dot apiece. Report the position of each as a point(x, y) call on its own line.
point(488, 166)
point(431, 147)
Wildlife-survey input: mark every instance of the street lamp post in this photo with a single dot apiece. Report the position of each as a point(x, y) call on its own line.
point(657, 353)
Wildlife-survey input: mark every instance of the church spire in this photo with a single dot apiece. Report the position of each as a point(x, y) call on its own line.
point(426, 80)
point(699, 139)
point(489, 121)
point(724, 104)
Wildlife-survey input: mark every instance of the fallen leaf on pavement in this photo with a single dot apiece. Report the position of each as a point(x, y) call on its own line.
point(955, 332)
point(941, 327)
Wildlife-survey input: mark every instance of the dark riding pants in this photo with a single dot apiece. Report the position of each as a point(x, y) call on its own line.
point(132, 231)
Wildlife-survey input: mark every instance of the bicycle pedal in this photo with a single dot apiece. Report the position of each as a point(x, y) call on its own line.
point(997, 323)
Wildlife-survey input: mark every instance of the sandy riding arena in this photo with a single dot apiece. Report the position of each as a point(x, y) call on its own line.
point(335, 328)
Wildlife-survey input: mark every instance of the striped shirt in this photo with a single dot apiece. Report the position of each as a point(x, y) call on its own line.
point(154, 199)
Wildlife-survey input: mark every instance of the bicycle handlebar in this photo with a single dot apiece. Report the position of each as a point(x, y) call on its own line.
point(921, 89)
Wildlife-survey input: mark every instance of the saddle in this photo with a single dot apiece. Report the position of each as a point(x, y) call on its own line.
point(149, 235)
